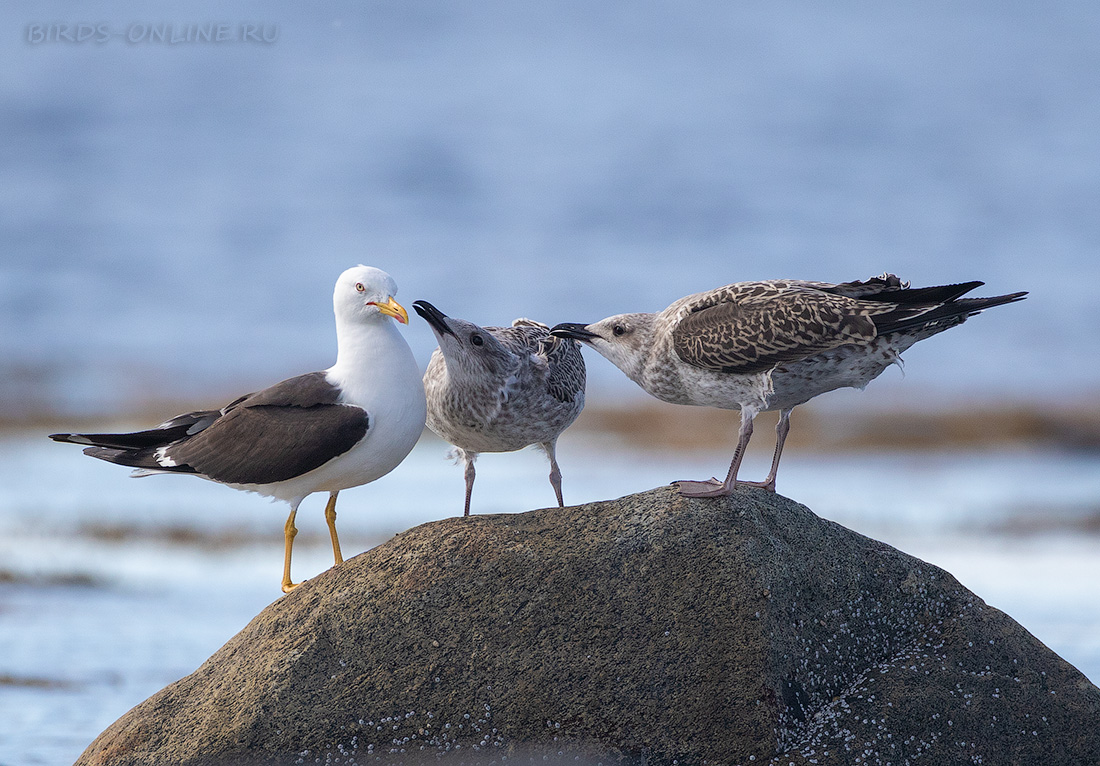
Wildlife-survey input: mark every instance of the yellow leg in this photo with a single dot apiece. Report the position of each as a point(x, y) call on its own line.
point(330, 517)
point(289, 531)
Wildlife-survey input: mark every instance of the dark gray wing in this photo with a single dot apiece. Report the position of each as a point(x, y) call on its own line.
point(275, 434)
point(875, 288)
point(567, 371)
point(565, 379)
point(750, 327)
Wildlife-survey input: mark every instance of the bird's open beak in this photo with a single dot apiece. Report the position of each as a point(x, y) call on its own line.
point(392, 308)
point(433, 316)
point(574, 330)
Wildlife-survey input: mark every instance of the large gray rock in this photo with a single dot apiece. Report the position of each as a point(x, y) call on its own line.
point(648, 629)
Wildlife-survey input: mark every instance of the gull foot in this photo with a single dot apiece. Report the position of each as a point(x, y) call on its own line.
point(710, 488)
point(289, 586)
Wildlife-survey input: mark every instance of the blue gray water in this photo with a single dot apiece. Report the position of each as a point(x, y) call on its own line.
point(174, 215)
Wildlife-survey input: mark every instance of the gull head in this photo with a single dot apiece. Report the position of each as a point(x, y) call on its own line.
point(470, 350)
point(364, 294)
point(625, 340)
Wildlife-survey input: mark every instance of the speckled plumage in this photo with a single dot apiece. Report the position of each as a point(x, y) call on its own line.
point(500, 389)
point(773, 345)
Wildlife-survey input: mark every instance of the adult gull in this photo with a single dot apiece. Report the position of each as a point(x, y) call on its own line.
point(319, 432)
point(773, 345)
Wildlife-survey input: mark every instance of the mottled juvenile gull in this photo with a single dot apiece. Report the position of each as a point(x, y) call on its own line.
point(499, 389)
point(757, 346)
point(320, 432)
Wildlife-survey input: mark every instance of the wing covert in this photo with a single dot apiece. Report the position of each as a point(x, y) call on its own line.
point(261, 444)
point(758, 332)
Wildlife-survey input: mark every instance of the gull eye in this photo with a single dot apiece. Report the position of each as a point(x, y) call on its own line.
point(618, 330)
point(359, 287)
point(477, 340)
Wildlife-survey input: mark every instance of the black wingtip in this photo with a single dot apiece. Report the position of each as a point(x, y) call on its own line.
point(1001, 300)
point(996, 300)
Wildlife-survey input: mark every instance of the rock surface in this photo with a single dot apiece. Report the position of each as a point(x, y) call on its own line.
point(650, 629)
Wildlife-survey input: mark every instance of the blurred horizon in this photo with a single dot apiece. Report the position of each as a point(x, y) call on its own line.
point(175, 214)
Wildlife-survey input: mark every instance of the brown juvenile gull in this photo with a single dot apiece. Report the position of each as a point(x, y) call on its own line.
point(320, 432)
point(773, 345)
point(500, 389)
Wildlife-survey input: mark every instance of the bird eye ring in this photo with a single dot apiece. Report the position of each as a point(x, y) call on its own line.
point(618, 330)
point(477, 340)
point(359, 287)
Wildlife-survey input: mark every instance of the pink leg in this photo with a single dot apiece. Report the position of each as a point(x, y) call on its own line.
point(468, 458)
point(782, 428)
point(713, 487)
point(555, 472)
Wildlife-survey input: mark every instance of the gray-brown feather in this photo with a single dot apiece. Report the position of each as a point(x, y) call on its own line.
point(752, 326)
point(537, 397)
point(779, 343)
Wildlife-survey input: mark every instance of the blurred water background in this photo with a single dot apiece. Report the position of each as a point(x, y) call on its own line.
point(174, 215)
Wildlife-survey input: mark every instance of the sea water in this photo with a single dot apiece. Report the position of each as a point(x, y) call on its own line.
point(112, 588)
